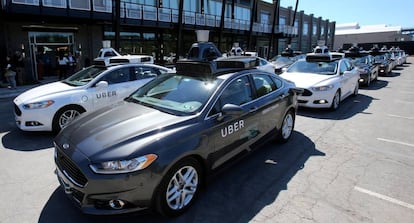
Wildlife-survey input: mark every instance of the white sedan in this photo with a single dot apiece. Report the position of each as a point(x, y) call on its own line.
point(326, 80)
point(52, 106)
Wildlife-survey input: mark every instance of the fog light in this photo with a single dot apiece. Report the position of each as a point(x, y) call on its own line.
point(322, 101)
point(116, 204)
point(361, 80)
point(33, 123)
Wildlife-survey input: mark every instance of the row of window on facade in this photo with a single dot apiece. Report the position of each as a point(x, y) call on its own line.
point(146, 9)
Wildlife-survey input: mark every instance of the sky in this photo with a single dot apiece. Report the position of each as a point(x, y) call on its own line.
point(364, 12)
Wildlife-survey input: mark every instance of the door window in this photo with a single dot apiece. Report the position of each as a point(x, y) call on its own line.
point(117, 76)
point(263, 84)
point(238, 92)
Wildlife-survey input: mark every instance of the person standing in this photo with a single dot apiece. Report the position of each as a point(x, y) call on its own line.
point(10, 74)
point(71, 64)
point(17, 65)
point(63, 66)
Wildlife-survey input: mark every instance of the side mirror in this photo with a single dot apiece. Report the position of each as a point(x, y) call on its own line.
point(230, 110)
point(101, 85)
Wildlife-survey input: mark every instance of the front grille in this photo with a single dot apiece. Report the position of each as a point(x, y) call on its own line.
point(302, 101)
point(70, 169)
point(17, 110)
point(306, 92)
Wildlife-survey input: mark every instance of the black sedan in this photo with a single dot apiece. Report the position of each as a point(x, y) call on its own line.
point(155, 148)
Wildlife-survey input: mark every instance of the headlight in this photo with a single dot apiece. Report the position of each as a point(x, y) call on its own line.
point(323, 88)
point(124, 166)
point(40, 104)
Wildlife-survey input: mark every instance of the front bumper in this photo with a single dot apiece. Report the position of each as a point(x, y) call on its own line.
point(316, 99)
point(93, 193)
point(33, 120)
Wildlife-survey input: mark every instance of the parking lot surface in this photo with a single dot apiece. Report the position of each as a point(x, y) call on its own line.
point(352, 165)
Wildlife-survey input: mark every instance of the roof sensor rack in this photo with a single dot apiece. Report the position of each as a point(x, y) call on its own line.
point(216, 67)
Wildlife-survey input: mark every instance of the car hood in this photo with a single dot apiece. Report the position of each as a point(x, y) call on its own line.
point(306, 80)
point(108, 132)
point(38, 93)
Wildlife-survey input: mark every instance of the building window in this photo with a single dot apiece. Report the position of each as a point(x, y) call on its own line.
point(242, 13)
point(102, 5)
point(265, 17)
point(55, 3)
point(172, 4)
point(26, 2)
point(314, 30)
point(192, 6)
point(305, 29)
point(80, 4)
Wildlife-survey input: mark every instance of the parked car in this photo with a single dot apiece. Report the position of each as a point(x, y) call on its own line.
point(326, 80)
point(285, 59)
point(155, 148)
point(51, 107)
point(364, 62)
point(381, 59)
point(258, 62)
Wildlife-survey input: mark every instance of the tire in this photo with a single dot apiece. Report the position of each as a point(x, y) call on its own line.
point(64, 116)
point(336, 101)
point(368, 81)
point(183, 182)
point(286, 129)
point(356, 90)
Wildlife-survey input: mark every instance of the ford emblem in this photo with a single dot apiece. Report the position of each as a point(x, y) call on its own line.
point(65, 146)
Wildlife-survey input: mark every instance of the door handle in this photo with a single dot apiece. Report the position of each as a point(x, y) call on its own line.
point(253, 109)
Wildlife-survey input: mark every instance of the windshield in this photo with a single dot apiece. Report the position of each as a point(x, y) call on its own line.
point(84, 76)
point(360, 60)
point(281, 59)
point(324, 68)
point(176, 94)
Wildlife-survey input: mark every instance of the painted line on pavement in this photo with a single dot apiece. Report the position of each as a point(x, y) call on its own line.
point(396, 142)
point(385, 198)
point(399, 116)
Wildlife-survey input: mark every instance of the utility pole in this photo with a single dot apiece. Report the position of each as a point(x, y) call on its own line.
point(294, 18)
point(180, 30)
point(274, 47)
point(117, 25)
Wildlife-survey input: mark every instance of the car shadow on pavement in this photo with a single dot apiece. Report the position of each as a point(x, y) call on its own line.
point(236, 194)
point(379, 84)
point(350, 107)
point(27, 141)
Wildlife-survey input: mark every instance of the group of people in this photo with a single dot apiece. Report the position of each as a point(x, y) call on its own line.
point(12, 67)
point(67, 65)
point(13, 71)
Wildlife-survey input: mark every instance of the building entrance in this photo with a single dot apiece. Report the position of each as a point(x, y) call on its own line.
point(45, 49)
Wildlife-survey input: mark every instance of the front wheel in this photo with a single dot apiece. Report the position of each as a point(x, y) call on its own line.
point(179, 188)
point(356, 90)
point(336, 101)
point(64, 116)
point(286, 130)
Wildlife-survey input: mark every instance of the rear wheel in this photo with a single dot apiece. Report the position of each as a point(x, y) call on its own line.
point(286, 130)
point(179, 188)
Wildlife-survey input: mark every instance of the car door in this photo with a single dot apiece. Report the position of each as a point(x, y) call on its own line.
point(346, 76)
point(229, 135)
point(117, 87)
point(270, 101)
